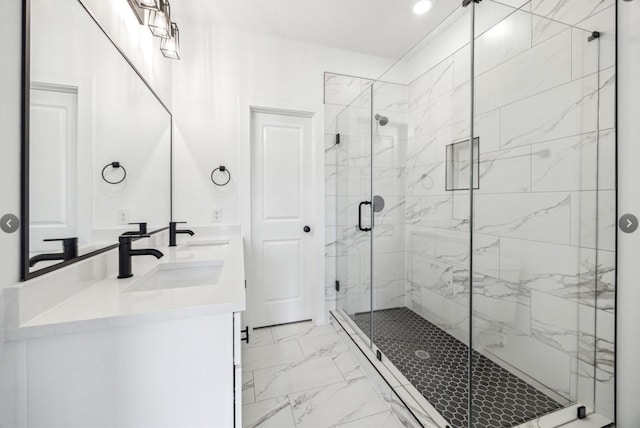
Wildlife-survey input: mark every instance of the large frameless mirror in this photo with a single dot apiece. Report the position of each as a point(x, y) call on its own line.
point(97, 141)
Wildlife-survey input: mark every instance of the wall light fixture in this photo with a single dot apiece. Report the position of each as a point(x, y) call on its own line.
point(148, 4)
point(160, 20)
point(170, 47)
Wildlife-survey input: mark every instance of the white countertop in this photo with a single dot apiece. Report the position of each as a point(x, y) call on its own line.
point(107, 304)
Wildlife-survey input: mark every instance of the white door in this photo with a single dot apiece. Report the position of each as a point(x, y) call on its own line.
point(52, 166)
point(281, 208)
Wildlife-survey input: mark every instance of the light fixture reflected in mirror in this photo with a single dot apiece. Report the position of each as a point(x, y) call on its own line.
point(137, 11)
point(148, 4)
point(170, 47)
point(159, 14)
point(160, 20)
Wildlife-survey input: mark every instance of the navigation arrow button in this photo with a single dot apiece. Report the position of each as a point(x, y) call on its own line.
point(9, 223)
point(628, 223)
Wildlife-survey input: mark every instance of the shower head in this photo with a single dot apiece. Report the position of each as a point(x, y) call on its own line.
point(382, 120)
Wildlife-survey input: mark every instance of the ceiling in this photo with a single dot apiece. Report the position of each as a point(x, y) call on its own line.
point(385, 28)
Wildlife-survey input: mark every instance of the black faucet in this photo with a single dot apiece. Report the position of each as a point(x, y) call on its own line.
point(125, 252)
point(173, 232)
point(69, 251)
point(142, 229)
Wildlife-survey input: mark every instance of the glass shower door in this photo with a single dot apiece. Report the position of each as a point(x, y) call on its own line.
point(542, 242)
point(353, 211)
point(395, 325)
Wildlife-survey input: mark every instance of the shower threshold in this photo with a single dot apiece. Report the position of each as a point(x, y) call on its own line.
point(430, 365)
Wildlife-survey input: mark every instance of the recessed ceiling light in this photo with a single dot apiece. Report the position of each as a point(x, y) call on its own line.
point(421, 7)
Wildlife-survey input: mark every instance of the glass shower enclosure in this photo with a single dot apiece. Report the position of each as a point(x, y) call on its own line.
point(475, 214)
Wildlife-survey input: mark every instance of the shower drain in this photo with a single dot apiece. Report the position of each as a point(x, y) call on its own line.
point(422, 354)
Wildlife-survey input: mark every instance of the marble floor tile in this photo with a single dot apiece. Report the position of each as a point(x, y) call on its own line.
point(274, 413)
point(286, 332)
point(294, 377)
point(336, 404)
point(380, 420)
point(327, 344)
point(276, 354)
point(349, 368)
point(259, 337)
point(248, 392)
point(313, 381)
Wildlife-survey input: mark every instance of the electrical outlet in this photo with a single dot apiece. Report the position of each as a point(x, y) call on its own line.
point(123, 216)
point(216, 215)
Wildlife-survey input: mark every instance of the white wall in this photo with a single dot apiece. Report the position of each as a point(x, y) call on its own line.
point(628, 338)
point(218, 68)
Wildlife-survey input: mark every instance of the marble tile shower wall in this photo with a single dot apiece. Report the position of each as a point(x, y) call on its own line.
point(544, 232)
point(348, 166)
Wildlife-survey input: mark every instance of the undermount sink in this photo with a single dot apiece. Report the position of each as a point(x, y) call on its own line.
point(205, 245)
point(179, 275)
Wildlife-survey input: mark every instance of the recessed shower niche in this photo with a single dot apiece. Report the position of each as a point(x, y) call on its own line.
point(457, 165)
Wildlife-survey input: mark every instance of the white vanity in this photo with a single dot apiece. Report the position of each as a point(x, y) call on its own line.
point(159, 349)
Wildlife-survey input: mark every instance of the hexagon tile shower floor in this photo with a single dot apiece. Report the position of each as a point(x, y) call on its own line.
point(500, 399)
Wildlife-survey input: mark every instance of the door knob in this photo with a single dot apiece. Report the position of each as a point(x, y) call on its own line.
point(307, 229)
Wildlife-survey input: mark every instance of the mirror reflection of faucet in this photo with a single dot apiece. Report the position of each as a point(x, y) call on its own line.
point(125, 254)
point(69, 251)
point(173, 232)
point(142, 229)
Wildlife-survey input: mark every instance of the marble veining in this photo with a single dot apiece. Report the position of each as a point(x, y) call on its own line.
point(570, 12)
point(328, 388)
point(522, 223)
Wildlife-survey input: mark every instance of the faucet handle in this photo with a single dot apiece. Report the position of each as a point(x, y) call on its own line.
point(65, 241)
point(142, 227)
point(129, 237)
point(69, 246)
point(177, 222)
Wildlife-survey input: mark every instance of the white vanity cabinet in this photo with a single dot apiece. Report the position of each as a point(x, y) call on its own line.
point(115, 354)
point(181, 372)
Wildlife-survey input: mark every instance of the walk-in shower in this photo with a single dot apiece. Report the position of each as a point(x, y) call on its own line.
point(487, 277)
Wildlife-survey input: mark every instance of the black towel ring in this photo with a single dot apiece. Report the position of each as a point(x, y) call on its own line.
point(221, 168)
point(114, 165)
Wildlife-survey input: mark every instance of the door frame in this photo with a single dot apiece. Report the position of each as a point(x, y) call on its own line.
point(315, 112)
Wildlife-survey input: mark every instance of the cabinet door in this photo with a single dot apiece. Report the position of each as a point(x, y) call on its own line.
point(237, 370)
point(237, 396)
point(237, 339)
point(158, 374)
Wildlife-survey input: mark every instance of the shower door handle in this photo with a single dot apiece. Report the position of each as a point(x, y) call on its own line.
point(364, 229)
